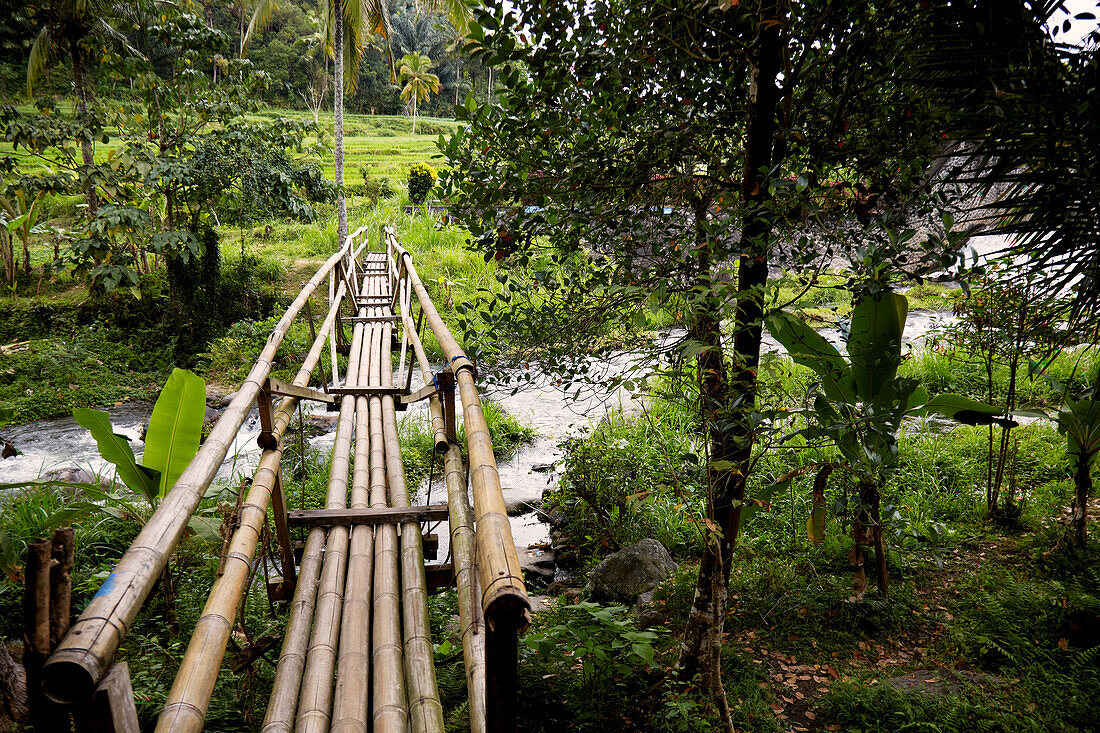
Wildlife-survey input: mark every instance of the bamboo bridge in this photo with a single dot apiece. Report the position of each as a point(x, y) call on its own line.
point(357, 652)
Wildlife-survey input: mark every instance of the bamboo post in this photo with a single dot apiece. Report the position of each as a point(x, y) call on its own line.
point(36, 630)
point(425, 709)
point(83, 656)
point(189, 697)
point(62, 551)
point(269, 441)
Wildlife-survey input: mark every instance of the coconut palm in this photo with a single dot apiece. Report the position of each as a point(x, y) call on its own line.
point(65, 29)
point(359, 20)
point(420, 82)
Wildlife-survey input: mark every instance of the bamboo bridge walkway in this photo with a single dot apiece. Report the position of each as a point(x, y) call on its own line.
point(357, 652)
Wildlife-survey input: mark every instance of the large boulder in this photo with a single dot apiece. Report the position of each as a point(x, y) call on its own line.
point(630, 572)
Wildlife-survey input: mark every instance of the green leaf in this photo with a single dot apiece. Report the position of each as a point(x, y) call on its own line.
point(208, 528)
point(809, 348)
point(116, 449)
point(964, 410)
point(175, 427)
point(874, 343)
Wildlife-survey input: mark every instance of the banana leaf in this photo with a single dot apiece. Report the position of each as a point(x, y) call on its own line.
point(874, 341)
point(175, 427)
point(809, 348)
point(116, 449)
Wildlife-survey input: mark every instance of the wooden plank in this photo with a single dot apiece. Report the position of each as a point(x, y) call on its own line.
point(371, 319)
point(111, 708)
point(274, 386)
point(366, 391)
point(428, 390)
point(439, 577)
point(374, 515)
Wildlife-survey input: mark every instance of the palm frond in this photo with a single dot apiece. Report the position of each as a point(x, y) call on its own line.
point(39, 57)
point(458, 13)
point(261, 18)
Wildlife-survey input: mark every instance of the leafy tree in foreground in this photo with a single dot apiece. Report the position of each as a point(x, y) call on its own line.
point(652, 156)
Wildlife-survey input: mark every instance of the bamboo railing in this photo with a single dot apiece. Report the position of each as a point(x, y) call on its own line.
point(357, 652)
point(81, 659)
point(504, 601)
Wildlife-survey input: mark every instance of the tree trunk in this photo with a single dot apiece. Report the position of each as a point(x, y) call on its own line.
point(87, 151)
point(731, 401)
point(1082, 479)
point(27, 269)
point(14, 707)
point(7, 254)
point(338, 119)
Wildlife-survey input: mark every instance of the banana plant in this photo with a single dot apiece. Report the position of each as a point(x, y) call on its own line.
point(1078, 420)
point(171, 441)
point(862, 402)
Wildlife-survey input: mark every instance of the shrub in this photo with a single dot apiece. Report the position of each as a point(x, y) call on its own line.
point(421, 180)
point(376, 188)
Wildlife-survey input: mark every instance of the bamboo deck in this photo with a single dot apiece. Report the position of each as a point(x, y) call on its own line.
point(357, 652)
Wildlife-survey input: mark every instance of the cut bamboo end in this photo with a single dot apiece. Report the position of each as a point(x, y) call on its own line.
point(71, 676)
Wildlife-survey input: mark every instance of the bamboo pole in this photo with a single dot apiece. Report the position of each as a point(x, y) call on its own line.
point(461, 522)
point(36, 627)
point(352, 695)
point(426, 711)
point(315, 697)
point(504, 595)
point(62, 551)
point(388, 691)
point(83, 656)
point(470, 616)
point(185, 709)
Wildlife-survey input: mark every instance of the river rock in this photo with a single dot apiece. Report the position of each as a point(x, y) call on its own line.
point(75, 475)
point(7, 450)
point(630, 572)
point(516, 507)
point(537, 562)
point(217, 398)
point(647, 611)
point(542, 467)
point(565, 588)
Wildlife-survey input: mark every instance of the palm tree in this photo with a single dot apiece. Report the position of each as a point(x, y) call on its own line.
point(420, 83)
point(65, 27)
point(358, 20)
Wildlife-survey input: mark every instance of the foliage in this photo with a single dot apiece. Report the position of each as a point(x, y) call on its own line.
point(627, 481)
point(586, 652)
point(422, 179)
point(170, 169)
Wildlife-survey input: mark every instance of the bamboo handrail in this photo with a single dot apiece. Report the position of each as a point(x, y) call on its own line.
point(83, 656)
point(504, 594)
point(461, 521)
point(189, 697)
